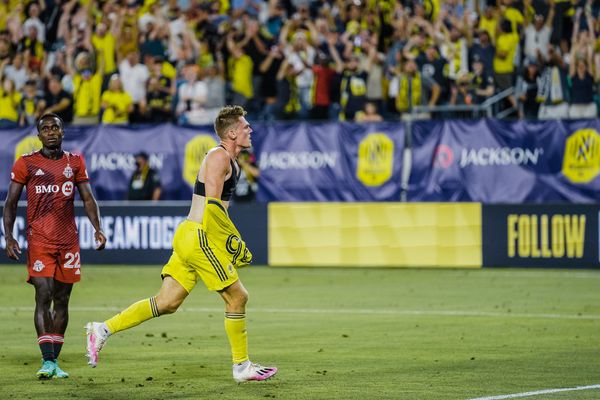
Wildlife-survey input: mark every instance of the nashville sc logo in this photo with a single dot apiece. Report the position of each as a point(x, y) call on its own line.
point(581, 162)
point(27, 145)
point(375, 159)
point(194, 153)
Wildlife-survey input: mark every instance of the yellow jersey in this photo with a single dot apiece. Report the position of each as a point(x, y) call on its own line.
point(118, 103)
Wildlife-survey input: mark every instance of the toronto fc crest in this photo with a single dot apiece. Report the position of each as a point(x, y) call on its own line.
point(68, 172)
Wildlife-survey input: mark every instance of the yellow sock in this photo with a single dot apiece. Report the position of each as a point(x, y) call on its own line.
point(133, 315)
point(235, 326)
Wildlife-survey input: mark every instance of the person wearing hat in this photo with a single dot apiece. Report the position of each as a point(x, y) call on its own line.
point(30, 105)
point(482, 82)
point(145, 181)
point(528, 90)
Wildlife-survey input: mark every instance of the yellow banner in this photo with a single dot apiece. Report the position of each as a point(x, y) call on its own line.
point(375, 234)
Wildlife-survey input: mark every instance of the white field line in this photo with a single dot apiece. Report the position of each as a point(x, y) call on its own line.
point(433, 313)
point(537, 392)
point(540, 274)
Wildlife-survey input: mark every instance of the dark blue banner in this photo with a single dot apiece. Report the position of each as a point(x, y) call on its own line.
point(487, 161)
point(175, 151)
point(541, 235)
point(142, 232)
point(492, 161)
point(300, 162)
point(330, 162)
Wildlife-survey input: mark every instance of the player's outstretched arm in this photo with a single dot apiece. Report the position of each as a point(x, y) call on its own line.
point(92, 211)
point(217, 168)
point(10, 213)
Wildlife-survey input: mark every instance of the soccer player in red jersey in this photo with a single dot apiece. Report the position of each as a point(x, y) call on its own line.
point(50, 176)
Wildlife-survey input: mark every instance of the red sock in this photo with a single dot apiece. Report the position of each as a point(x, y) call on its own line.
point(45, 340)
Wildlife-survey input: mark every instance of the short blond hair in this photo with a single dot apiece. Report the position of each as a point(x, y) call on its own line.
point(228, 116)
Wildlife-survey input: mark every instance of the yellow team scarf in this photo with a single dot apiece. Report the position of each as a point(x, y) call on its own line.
point(293, 105)
point(402, 103)
point(457, 56)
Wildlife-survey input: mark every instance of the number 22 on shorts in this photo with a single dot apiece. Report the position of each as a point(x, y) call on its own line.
point(72, 260)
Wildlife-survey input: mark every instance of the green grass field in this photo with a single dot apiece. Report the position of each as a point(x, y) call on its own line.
point(334, 334)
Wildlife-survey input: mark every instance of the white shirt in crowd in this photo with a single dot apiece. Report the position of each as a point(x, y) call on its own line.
point(302, 62)
point(535, 40)
point(41, 29)
point(134, 79)
point(18, 76)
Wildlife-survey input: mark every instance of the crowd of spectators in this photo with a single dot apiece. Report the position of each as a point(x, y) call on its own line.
point(135, 61)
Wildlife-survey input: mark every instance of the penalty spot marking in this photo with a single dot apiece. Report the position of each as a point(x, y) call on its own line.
point(537, 393)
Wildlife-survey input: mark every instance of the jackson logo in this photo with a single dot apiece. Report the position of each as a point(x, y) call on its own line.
point(68, 172)
point(286, 160)
point(500, 156)
point(38, 266)
point(67, 188)
point(581, 162)
point(46, 189)
point(546, 236)
point(375, 159)
point(195, 151)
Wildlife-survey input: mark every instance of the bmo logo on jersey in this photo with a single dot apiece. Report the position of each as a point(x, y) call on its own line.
point(46, 189)
point(66, 188)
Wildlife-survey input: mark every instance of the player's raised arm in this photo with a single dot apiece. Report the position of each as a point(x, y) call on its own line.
point(9, 214)
point(92, 211)
point(217, 168)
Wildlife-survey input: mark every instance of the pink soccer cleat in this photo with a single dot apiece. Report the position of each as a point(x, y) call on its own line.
point(252, 372)
point(96, 337)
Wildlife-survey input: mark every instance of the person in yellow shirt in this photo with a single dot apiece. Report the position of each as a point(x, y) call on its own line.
point(506, 46)
point(9, 99)
point(127, 41)
point(87, 86)
point(488, 22)
point(207, 247)
point(4, 7)
point(104, 42)
point(116, 103)
point(30, 105)
point(241, 73)
point(512, 14)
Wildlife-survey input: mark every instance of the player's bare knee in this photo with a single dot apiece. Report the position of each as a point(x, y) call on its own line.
point(61, 301)
point(168, 305)
point(239, 299)
point(43, 297)
point(244, 296)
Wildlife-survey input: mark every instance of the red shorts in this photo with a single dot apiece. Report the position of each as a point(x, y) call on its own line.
point(62, 264)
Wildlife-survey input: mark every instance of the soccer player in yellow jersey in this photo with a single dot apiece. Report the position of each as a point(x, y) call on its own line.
point(206, 246)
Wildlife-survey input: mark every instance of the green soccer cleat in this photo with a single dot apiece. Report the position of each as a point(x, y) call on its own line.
point(59, 373)
point(47, 371)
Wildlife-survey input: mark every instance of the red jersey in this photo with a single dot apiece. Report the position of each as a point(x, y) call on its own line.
point(50, 186)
